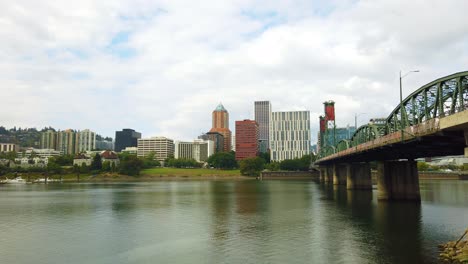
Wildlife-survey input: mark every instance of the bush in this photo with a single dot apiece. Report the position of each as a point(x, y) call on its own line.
point(423, 166)
point(273, 166)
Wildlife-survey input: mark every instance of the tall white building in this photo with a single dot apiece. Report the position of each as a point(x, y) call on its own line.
point(183, 149)
point(198, 150)
point(162, 147)
point(289, 135)
point(85, 141)
point(263, 117)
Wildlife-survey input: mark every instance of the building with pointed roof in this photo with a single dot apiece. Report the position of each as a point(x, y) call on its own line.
point(220, 125)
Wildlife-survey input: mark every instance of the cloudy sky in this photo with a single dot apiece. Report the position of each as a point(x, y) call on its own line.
point(161, 67)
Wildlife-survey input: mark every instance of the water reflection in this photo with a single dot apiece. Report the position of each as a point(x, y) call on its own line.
point(225, 222)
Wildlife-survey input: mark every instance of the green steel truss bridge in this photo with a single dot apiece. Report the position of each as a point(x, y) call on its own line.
point(431, 122)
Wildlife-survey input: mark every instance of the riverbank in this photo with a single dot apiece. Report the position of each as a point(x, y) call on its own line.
point(153, 174)
point(455, 251)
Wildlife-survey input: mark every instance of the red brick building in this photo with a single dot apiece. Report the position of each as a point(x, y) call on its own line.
point(246, 139)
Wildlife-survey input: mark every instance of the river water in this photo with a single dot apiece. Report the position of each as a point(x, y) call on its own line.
point(225, 222)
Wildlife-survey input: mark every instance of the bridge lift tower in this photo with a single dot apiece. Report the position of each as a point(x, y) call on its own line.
point(328, 126)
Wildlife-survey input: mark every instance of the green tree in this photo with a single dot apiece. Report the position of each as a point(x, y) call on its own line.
point(11, 155)
point(96, 164)
point(149, 161)
point(223, 160)
point(53, 167)
point(301, 164)
point(106, 166)
point(252, 166)
point(64, 160)
point(84, 168)
point(265, 156)
point(131, 165)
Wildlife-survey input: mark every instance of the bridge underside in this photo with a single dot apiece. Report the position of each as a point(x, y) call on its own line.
point(444, 143)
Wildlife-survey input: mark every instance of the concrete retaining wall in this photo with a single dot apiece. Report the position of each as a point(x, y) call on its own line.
point(289, 175)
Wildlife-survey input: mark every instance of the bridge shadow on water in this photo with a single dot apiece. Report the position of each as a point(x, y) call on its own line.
point(391, 231)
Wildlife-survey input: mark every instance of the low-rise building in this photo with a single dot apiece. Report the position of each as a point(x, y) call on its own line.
point(43, 153)
point(9, 147)
point(82, 159)
point(131, 150)
point(110, 156)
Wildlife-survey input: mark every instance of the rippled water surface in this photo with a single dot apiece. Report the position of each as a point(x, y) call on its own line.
point(225, 222)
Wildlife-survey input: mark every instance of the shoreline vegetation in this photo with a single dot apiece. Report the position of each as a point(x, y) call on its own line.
point(153, 174)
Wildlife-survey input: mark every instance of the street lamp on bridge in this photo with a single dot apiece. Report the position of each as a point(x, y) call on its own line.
point(401, 102)
point(355, 119)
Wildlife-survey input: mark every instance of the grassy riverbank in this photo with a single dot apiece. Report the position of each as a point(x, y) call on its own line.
point(196, 172)
point(152, 174)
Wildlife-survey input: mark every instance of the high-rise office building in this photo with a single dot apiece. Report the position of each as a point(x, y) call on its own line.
point(126, 138)
point(289, 135)
point(85, 141)
point(216, 138)
point(246, 139)
point(162, 147)
point(262, 117)
point(221, 125)
point(104, 144)
point(66, 141)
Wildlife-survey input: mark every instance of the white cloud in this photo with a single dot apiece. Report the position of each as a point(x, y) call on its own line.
point(62, 66)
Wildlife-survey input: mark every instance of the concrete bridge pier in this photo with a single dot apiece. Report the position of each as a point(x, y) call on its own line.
point(329, 174)
point(358, 176)
point(323, 171)
point(339, 174)
point(398, 180)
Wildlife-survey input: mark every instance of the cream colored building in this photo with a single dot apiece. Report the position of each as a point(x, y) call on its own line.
point(8, 147)
point(289, 135)
point(198, 150)
point(162, 147)
point(85, 141)
point(49, 140)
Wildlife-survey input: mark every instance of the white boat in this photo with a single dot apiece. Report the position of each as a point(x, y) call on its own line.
point(16, 180)
point(42, 180)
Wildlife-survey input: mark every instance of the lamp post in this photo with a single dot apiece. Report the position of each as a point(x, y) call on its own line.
point(355, 119)
point(401, 102)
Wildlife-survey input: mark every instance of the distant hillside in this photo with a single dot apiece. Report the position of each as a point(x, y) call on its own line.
point(25, 137)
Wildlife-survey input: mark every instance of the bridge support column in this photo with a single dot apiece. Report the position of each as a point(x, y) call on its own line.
point(466, 142)
point(339, 174)
point(323, 172)
point(329, 174)
point(398, 180)
point(358, 176)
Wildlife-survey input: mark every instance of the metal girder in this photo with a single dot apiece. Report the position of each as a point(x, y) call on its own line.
point(444, 96)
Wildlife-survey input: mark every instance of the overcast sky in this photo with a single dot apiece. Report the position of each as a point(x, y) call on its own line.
point(161, 67)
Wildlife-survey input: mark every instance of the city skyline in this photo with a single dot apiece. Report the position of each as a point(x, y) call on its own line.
point(81, 67)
